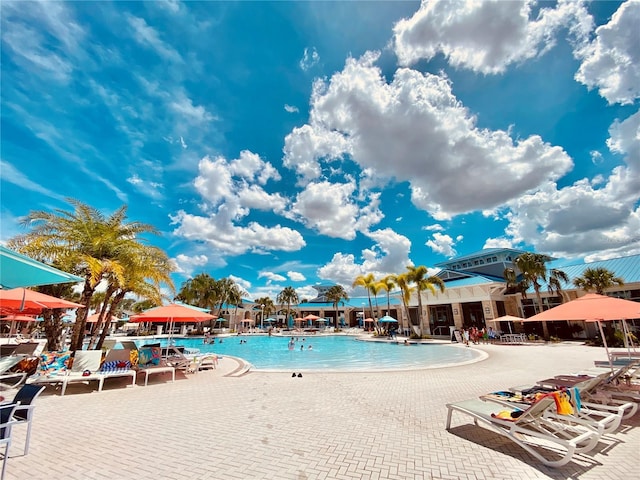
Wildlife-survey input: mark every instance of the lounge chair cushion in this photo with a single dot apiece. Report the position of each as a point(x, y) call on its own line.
point(115, 366)
point(53, 362)
point(148, 356)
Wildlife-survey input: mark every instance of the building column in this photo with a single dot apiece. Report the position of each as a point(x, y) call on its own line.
point(456, 308)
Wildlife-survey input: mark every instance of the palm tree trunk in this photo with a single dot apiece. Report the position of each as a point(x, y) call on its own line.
point(113, 305)
point(545, 328)
point(52, 324)
point(77, 338)
point(420, 319)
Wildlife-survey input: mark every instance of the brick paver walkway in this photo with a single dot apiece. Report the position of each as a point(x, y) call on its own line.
point(386, 425)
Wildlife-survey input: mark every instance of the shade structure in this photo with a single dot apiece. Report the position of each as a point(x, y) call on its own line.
point(592, 308)
point(311, 316)
point(387, 319)
point(17, 270)
point(29, 302)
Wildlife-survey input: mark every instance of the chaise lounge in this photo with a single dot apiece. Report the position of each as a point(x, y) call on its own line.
point(551, 442)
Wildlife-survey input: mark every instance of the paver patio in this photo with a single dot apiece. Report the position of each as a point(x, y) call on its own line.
point(382, 425)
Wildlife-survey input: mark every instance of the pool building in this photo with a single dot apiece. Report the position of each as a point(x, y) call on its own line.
point(476, 294)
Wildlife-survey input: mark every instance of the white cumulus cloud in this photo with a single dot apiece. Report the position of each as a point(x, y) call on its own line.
point(611, 62)
point(485, 36)
point(414, 129)
point(388, 255)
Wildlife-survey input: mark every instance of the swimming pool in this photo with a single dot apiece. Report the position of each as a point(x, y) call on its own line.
point(339, 353)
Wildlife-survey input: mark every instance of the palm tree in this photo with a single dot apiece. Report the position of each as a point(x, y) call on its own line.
point(534, 271)
point(556, 278)
point(84, 242)
point(417, 275)
point(222, 289)
point(147, 271)
point(387, 284)
point(235, 299)
point(598, 279)
point(366, 281)
point(199, 291)
point(286, 297)
point(406, 290)
point(266, 307)
point(376, 288)
point(335, 294)
point(513, 284)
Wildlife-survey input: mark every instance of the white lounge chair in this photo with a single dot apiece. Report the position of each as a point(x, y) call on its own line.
point(15, 378)
point(85, 368)
point(150, 362)
point(117, 364)
point(531, 429)
point(52, 369)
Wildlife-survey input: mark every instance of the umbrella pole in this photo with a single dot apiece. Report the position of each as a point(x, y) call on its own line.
point(606, 347)
point(627, 337)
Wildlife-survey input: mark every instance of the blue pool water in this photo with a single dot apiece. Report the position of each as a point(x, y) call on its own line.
point(341, 353)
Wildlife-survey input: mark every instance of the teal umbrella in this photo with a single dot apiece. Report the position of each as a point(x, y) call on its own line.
point(17, 270)
point(387, 319)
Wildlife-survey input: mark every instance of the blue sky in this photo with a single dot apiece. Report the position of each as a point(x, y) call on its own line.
point(297, 143)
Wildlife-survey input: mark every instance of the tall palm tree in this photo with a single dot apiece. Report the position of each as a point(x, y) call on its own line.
point(267, 307)
point(335, 294)
point(514, 285)
point(598, 279)
point(406, 291)
point(418, 276)
point(199, 291)
point(235, 299)
point(376, 288)
point(147, 271)
point(534, 272)
point(556, 279)
point(366, 281)
point(286, 297)
point(85, 242)
point(387, 284)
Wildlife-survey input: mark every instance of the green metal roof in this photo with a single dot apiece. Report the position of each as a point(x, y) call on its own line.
point(627, 268)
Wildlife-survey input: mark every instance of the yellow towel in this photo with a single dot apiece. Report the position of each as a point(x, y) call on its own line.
point(563, 403)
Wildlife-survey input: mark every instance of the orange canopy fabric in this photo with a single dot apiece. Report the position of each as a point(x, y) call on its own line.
point(311, 316)
point(174, 313)
point(18, 318)
point(29, 302)
point(591, 308)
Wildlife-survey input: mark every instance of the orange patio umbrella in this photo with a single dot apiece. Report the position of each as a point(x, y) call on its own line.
point(17, 318)
point(592, 308)
point(172, 313)
point(29, 302)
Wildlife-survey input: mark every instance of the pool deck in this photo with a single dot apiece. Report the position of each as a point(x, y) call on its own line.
point(387, 425)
